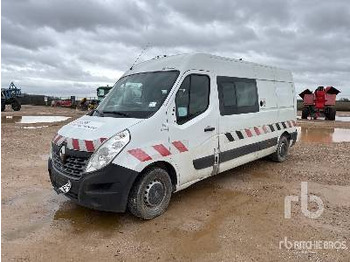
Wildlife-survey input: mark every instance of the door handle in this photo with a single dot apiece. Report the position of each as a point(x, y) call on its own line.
point(209, 128)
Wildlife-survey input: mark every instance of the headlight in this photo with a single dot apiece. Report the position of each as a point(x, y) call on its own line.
point(108, 151)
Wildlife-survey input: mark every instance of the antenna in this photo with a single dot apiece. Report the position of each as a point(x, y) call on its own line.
point(141, 53)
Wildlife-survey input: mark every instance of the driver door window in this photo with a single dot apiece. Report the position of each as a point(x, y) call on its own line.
point(192, 98)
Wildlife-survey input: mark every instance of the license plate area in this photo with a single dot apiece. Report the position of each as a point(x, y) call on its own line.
point(65, 188)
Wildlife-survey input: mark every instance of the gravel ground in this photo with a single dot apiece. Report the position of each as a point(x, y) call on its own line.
point(235, 216)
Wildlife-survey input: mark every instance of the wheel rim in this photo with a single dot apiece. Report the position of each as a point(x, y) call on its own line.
point(154, 193)
point(283, 149)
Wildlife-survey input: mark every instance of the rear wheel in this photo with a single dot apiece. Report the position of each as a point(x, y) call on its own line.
point(3, 105)
point(16, 106)
point(282, 150)
point(150, 196)
point(305, 113)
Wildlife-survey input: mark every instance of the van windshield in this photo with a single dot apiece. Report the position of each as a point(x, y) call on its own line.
point(137, 96)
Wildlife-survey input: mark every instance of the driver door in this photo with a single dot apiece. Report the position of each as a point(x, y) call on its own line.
point(193, 127)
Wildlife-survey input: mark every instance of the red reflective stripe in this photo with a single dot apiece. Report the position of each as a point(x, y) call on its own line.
point(248, 132)
point(180, 146)
point(294, 123)
point(265, 129)
point(162, 150)
point(257, 131)
point(140, 154)
point(289, 124)
point(58, 137)
point(75, 144)
point(102, 139)
point(89, 146)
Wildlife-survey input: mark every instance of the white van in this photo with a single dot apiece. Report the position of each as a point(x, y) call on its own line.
point(168, 123)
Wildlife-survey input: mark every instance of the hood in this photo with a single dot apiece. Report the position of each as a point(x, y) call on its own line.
point(94, 127)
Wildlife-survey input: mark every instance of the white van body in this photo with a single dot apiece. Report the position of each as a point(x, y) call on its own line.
point(223, 136)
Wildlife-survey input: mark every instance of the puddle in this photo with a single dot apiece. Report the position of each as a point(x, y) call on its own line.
point(33, 119)
point(334, 194)
point(337, 118)
point(33, 127)
point(323, 135)
point(342, 118)
point(82, 219)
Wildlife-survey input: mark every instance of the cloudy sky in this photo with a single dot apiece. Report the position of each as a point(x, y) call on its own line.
point(64, 47)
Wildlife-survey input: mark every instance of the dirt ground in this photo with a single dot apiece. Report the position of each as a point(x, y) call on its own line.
point(235, 216)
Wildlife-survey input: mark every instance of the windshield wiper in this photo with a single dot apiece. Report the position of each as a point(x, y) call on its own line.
point(97, 111)
point(116, 113)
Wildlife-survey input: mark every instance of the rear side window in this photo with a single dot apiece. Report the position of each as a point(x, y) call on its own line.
point(192, 98)
point(237, 95)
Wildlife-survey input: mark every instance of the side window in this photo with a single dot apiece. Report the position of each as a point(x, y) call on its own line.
point(192, 98)
point(237, 95)
point(228, 94)
point(246, 94)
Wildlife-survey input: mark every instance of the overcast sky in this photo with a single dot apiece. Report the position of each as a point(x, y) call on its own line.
point(65, 47)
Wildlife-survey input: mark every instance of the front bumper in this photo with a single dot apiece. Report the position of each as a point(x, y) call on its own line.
point(106, 189)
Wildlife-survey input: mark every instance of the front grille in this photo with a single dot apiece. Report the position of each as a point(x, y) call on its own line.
point(73, 167)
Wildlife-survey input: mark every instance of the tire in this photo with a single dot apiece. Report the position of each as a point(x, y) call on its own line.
point(331, 114)
point(3, 105)
point(305, 113)
point(16, 106)
point(150, 195)
point(282, 150)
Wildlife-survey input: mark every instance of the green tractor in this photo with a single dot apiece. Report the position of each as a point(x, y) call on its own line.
point(9, 96)
point(102, 91)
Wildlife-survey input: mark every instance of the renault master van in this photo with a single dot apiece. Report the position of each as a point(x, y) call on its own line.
point(171, 122)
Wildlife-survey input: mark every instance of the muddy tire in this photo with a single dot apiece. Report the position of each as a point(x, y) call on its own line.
point(305, 113)
point(16, 106)
point(150, 195)
point(331, 114)
point(282, 150)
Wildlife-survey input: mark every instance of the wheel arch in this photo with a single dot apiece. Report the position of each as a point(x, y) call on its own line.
point(286, 134)
point(167, 167)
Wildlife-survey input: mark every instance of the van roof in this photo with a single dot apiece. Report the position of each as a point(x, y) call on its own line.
point(218, 65)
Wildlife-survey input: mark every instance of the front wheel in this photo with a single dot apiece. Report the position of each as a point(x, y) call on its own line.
point(282, 150)
point(150, 196)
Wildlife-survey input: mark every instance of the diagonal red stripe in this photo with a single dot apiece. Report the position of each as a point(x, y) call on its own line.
point(180, 146)
point(75, 144)
point(102, 139)
point(265, 129)
point(248, 132)
point(162, 150)
point(89, 146)
point(140, 154)
point(56, 138)
point(257, 131)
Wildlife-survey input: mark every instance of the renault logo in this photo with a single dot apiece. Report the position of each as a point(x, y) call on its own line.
point(62, 154)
